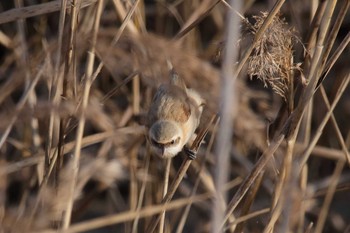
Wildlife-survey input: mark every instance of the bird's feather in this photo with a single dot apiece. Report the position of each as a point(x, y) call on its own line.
point(170, 103)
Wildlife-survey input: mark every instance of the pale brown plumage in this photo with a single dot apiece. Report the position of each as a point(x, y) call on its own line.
point(173, 116)
point(170, 103)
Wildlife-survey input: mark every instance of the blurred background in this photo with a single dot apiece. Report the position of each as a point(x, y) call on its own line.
point(76, 81)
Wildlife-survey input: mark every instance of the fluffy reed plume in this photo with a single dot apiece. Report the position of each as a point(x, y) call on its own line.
point(272, 58)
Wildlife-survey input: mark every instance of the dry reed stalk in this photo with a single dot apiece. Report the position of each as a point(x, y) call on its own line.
point(228, 111)
point(279, 201)
point(328, 47)
point(123, 13)
point(319, 188)
point(312, 74)
point(315, 25)
point(117, 88)
point(69, 147)
point(130, 215)
point(334, 32)
point(69, 71)
point(5, 40)
point(272, 62)
point(145, 55)
point(323, 152)
point(336, 127)
point(54, 92)
point(147, 211)
point(84, 104)
point(250, 179)
point(188, 9)
point(335, 56)
point(142, 193)
point(184, 217)
point(303, 207)
point(329, 196)
point(116, 38)
point(200, 13)
point(165, 190)
point(307, 152)
point(282, 198)
point(20, 105)
point(244, 218)
point(36, 10)
point(9, 87)
point(88, 81)
point(292, 171)
point(277, 140)
point(24, 62)
point(134, 189)
point(248, 202)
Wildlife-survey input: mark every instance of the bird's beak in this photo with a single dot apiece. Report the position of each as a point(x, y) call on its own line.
point(162, 151)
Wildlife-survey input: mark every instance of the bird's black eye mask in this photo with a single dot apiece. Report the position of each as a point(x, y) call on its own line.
point(161, 145)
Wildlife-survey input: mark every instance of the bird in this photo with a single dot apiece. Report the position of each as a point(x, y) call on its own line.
point(173, 117)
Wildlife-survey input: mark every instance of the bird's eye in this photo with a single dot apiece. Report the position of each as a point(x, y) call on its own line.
point(175, 141)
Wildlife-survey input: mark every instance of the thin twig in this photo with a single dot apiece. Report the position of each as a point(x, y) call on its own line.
point(313, 142)
point(334, 32)
point(69, 147)
point(142, 193)
point(165, 190)
point(343, 45)
point(246, 217)
point(116, 38)
point(195, 20)
point(20, 105)
point(55, 87)
point(335, 125)
point(248, 203)
point(329, 196)
point(258, 168)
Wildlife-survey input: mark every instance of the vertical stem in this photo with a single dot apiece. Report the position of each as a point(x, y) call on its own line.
point(228, 103)
point(303, 207)
point(82, 118)
point(329, 196)
point(165, 190)
point(142, 193)
point(55, 85)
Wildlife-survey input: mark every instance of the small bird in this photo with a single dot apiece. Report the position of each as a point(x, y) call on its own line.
point(173, 117)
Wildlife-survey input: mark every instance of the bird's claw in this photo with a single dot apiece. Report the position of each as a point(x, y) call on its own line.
point(191, 154)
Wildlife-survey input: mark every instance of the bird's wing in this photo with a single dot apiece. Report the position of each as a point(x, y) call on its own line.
point(170, 103)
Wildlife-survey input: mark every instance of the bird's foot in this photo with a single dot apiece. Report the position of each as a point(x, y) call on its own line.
point(191, 154)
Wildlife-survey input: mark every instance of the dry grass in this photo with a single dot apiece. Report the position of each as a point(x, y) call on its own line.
point(76, 80)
